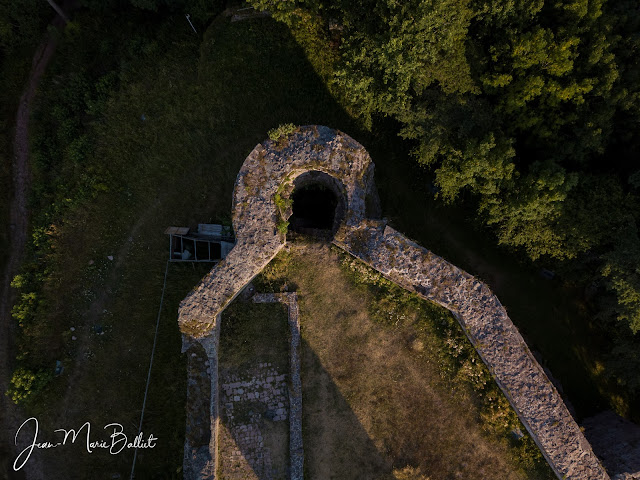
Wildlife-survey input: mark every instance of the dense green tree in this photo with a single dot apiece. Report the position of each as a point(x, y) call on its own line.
point(21, 23)
point(530, 106)
point(404, 49)
point(621, 272)
point(457, 137)
point(552, 77)
point(623, 152)
point(528, 214)
point(593, 213)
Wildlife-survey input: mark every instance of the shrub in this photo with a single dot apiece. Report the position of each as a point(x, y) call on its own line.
point(26, 383)
point(282, 131)
point(282, 203)
point(282, 226)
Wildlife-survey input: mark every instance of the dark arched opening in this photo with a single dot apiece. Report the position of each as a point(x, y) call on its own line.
point(314, 206)
point(318, 204)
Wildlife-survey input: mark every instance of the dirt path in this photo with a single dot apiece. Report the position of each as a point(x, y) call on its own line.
point(18, 229)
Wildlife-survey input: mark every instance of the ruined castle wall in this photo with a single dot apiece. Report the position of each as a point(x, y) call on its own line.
point(200, 460)
point(491, 331)
point(270, 170)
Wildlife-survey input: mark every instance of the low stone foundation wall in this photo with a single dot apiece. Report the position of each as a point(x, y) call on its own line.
point(200, 460)
point(617, 442)
point(296, 450)
point(498, 342)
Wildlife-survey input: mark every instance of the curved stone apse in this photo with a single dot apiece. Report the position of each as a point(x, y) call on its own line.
point(320, 167)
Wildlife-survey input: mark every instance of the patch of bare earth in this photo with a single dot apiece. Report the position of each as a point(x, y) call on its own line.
point(374, 404)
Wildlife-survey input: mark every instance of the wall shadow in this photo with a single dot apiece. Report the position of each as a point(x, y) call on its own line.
point(254, 415)
point(336, 444)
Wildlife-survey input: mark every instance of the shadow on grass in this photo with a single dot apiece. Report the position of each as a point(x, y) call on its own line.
point(254, 436)
point(206, 105)
point(551, 316)
point(336, 444)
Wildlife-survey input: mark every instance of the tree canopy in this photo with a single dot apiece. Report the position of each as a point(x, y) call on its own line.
point(530, 108)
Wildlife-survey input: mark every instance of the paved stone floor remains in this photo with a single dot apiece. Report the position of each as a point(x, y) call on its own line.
point(254, 434)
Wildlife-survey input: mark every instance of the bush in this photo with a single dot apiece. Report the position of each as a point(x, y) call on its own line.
point(282, 226)
point(26, 383)
point(282, 131)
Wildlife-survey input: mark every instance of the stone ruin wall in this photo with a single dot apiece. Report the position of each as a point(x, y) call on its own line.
point(617, 443)
point(270, 170)
point(200, 460)
point(492, 333)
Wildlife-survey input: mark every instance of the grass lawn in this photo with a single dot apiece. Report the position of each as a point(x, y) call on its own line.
point(391, 387)
point(254, 332)
point(206, 103)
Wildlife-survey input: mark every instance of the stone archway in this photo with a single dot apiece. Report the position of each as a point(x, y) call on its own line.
point(261, 206)
point(318, 203)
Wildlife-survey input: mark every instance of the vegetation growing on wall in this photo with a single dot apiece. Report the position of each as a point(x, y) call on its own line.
point(525, 112)
point(429, 331)
point(282, 131)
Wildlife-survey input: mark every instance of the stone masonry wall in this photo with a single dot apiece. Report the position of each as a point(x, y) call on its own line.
point(269, 171)
point(497, 340)
point(200, 460)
